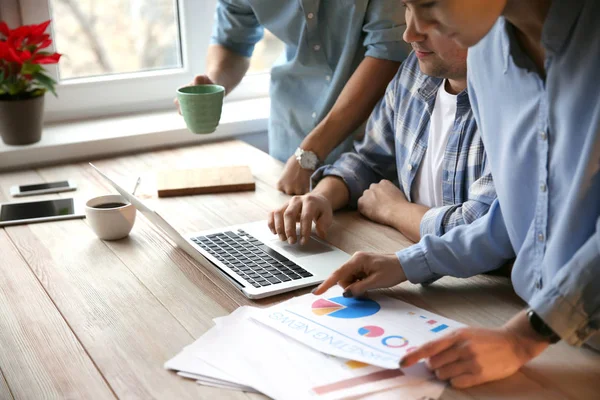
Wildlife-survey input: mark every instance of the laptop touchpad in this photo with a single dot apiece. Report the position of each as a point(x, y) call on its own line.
point(310, 249)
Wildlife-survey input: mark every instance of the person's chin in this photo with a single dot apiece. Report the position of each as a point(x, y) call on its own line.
point(426, 67)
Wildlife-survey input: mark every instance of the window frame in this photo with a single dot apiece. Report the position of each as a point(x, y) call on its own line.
point(140, 91)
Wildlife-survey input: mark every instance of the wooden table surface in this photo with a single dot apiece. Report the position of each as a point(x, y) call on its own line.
point(82, 318)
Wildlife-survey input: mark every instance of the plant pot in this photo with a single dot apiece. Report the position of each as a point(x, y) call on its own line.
point(21, 120)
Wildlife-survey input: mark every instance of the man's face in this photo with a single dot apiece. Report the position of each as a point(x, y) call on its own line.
point(438, 55)
point(465, 21)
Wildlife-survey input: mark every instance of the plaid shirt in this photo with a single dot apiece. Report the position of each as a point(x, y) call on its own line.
point(395, 143)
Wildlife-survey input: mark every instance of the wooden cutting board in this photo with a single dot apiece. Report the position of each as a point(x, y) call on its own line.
point(184, 182)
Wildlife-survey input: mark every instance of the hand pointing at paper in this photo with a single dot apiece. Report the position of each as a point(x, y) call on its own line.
point(365, 271)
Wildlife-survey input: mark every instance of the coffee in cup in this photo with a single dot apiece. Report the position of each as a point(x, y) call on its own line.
point(111, 216)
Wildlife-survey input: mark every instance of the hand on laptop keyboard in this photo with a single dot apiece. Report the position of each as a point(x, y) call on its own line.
point(306, 209)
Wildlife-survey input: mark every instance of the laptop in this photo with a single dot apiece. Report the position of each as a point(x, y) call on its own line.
point(248, 255)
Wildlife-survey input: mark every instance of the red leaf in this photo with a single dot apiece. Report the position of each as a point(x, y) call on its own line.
point(22, 31)
point(46, 59)
point(18, 43)
point(3, 50)
point(17, 56)
point(44, 44)
point(36, 40)
point(4, 29)
point(12, 56)
point(38, 30)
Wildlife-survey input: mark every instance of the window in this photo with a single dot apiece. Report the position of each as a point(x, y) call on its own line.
point(115, 37)
point(123, 56)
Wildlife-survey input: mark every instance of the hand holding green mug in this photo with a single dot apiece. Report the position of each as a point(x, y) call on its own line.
point(201, 106)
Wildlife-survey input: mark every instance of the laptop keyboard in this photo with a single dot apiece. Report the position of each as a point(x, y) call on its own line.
point(248, 257)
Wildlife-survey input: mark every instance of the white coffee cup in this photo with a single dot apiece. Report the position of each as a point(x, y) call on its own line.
point(110, 223)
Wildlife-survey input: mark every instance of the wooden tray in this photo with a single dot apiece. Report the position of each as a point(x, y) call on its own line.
point(185, 182)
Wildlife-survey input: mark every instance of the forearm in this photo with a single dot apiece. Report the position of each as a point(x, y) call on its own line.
point(406, 218)
point(465, 251)
point(354, 105)
point(335, 190)
point(225, 67)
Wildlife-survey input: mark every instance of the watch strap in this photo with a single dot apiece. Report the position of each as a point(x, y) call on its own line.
point(540, 327)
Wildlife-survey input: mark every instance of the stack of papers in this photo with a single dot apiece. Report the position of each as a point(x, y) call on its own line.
point(326, 347)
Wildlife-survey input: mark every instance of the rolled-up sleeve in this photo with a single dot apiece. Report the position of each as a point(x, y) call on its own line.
point(570, 303)
point(439, 220)
point(236, 27)
point(384, 26)
point(463, 252)
point(374, 158)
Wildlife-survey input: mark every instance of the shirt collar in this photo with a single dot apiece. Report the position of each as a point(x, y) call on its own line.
point(430, 85)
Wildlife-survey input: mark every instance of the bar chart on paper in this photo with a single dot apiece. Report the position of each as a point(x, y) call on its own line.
point(379, 330)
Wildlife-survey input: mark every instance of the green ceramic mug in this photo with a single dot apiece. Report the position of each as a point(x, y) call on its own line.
point(201, 106)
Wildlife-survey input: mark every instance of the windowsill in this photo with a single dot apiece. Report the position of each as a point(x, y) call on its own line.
point(85, 140)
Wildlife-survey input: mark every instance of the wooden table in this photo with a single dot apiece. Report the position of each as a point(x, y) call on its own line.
point(82, 318)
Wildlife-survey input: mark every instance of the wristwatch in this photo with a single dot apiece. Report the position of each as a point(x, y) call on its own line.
point(307, 159)
point(540, 327)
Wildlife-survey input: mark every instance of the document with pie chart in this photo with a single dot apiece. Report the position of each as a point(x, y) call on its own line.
point(378, 330)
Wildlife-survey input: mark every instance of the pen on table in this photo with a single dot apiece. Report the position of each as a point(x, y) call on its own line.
point(137, 183)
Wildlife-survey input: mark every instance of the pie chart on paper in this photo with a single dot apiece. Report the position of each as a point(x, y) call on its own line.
point(342, 307)
point(371, 331)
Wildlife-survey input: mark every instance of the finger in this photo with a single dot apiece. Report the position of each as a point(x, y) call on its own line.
point(466, 381)
point(323, 223)
point(327, 284)
point(308, 214)
point(202, 80)
point(444, 358)
point(279, 225)
point(360, 203)
point(430, 349)
point(344, 272)
point(360, 287)
point(454, 370)
point(280, 186)
point(176, 102)
point(305, 187)
point(289, 219)
point(271, 222)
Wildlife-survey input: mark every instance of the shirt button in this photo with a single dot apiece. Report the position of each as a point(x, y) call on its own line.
point(314, 115)
point(543, 187)
point(543, 135)
point(409, 167)
point(539, 284)
point(317, 47)
point(541, 237)
point(310, 15)
point(328, 77)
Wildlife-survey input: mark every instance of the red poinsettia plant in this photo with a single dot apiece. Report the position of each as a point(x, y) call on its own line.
point(22, 56)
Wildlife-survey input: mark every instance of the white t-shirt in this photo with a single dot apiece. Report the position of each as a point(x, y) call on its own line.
point(427, 187)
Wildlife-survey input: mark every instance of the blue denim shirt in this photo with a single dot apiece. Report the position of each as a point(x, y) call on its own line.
point(395, 143)
point(542, 138)
point(324, 43)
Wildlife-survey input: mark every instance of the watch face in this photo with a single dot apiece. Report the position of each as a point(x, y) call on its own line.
point(307, 159)
point(311, 160)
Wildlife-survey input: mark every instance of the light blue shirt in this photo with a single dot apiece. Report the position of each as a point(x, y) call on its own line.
point(542, 139)
point(324, 43)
